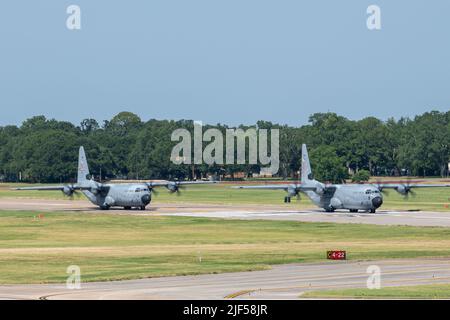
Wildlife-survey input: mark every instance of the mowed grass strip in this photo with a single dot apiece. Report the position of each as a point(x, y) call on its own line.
point(114, 247)
point(435, 291)
point(436, 199)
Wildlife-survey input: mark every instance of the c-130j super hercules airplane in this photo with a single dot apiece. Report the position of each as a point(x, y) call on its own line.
point(354, 197)
point(129, 195)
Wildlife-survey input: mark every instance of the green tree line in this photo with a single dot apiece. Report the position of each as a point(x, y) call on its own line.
point(45, 150)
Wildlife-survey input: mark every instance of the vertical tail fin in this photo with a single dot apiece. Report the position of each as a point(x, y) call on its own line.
point(306, 167)
point(83, 169)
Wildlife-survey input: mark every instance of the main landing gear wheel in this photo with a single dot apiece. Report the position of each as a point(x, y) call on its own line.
point(373, 210)
point(127, 208)
point(287, 199)
point(353, 210)
point(329, 209)
point(142, 208)
point(104, 207)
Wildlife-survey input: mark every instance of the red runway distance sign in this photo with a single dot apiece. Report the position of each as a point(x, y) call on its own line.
point(337, 255)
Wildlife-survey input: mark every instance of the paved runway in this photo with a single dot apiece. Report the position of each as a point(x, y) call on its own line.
point(382, 217)
point(280, 282)
point(266, 212)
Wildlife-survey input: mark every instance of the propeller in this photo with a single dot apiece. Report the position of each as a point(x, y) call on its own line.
point(174, 187)
point(70, 191)
point(152, 188)
point(99, 189)
point(410, 192)
point(293, 191)
point(380, 187)
point(409, 189)
point(76, 193)
point(406, 189)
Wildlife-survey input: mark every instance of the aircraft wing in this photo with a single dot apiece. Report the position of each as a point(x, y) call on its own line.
point(406, 189)
point(399, 185)
point(176, 183)
point(196, 182)
point(54, 188)
point(278, 187)
point(266, 186)
point(43, 188)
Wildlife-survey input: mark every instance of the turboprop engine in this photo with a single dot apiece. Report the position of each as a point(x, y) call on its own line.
point(401, 189)
point(319, 190)
point(68, 191)
point(293, 192)
point(405, 190)
point(174, 187)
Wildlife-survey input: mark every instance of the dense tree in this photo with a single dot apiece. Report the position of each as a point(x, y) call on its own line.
point(89, 125)
point(328, 166)
point(45, 150)
point(361, 176)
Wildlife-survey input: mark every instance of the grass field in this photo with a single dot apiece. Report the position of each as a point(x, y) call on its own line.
point(437, 291)
point(437, 199)
point(113, 247)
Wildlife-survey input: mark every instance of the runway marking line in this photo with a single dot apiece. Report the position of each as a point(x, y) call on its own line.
point(237, 294)
point(241, 293)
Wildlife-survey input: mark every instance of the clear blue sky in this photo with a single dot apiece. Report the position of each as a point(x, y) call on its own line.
point(229, 61)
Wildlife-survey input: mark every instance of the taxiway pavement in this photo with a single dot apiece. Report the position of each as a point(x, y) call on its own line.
point(281, 282)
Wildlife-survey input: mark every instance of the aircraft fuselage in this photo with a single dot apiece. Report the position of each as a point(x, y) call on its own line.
point(351, 197)
point(121, 195)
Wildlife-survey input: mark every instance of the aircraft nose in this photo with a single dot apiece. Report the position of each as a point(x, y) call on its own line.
point(377, 202)
point(146, 199)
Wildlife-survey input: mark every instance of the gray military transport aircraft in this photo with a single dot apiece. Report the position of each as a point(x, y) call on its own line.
point(354, 197)
point(126, 195)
